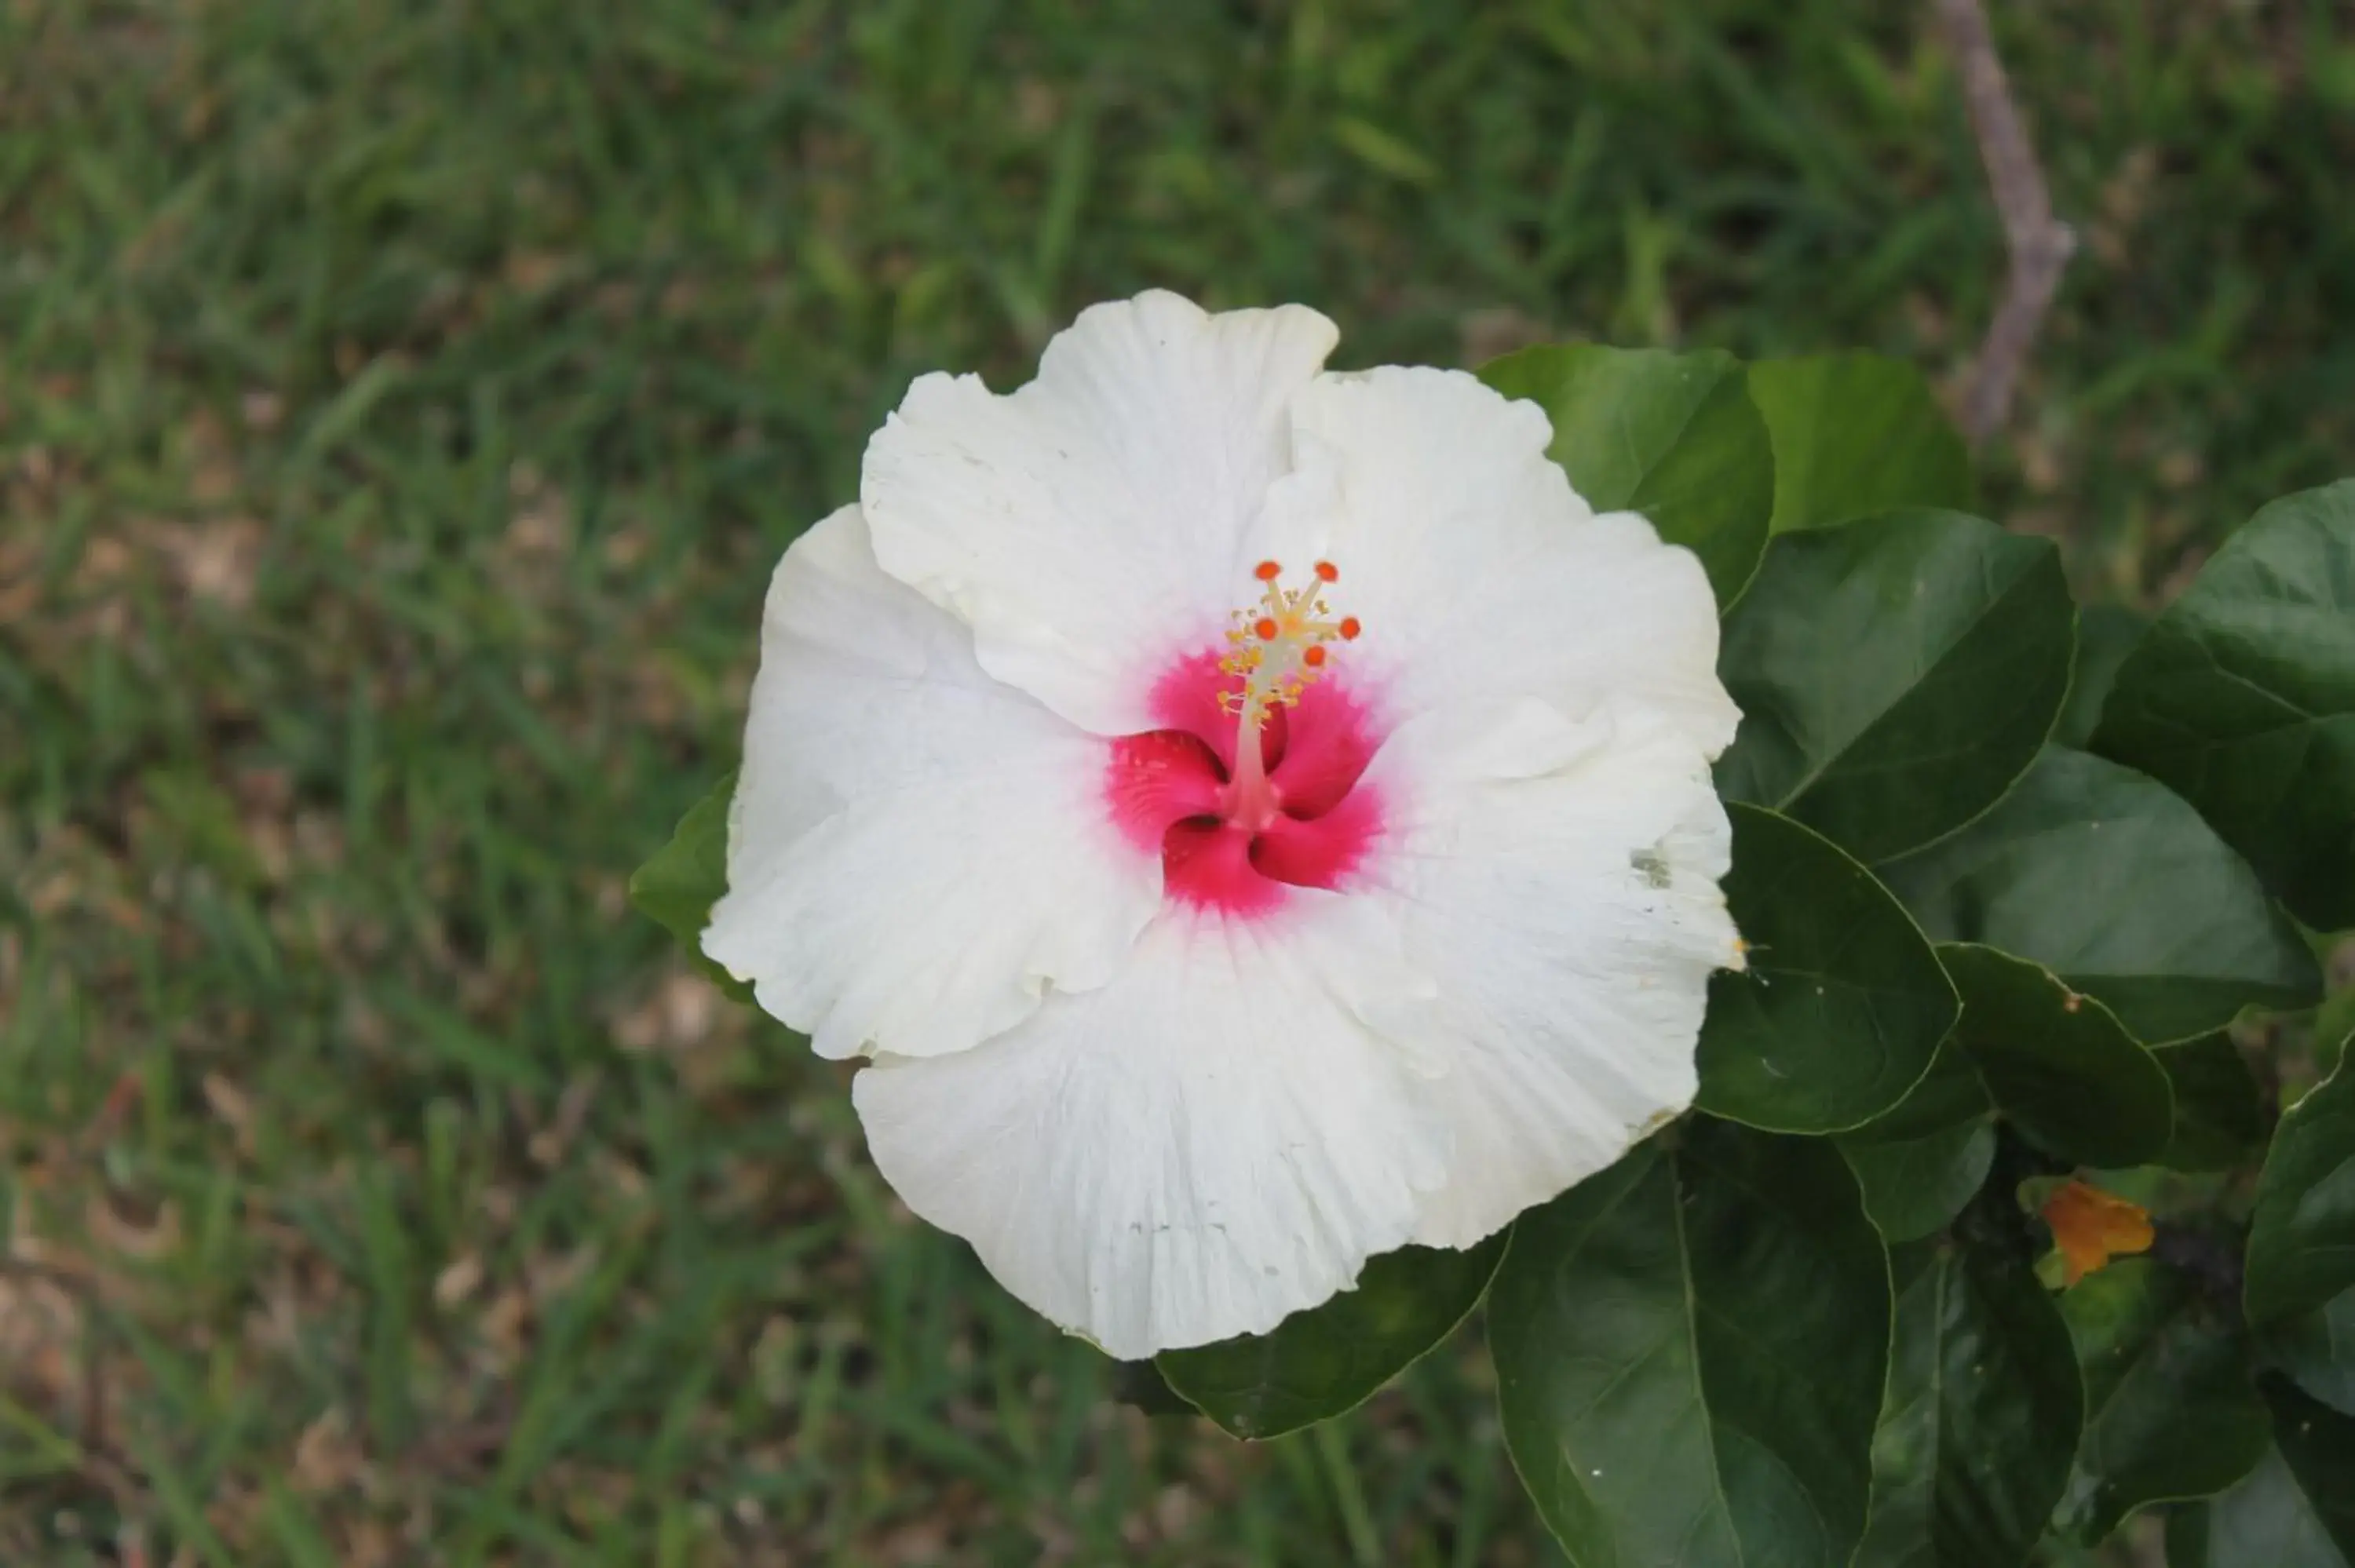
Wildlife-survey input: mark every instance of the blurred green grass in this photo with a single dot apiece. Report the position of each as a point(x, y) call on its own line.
point(402, 402)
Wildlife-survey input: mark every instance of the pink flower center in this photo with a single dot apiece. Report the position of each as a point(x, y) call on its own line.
point(1232, 839)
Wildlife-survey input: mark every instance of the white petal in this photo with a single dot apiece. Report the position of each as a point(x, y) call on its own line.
point(916, 854)
point(1099, 522)
point(1557, 882)
point(1208, 1143)
point(1476, 571)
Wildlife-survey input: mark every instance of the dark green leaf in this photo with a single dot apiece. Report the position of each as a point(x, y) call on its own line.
point(2169, 1410)
point(1673, 435)
point(2242, 697)
point(2317, 1349)
point(1950, 1095)
point(2219, 1122)
point(1843, 1004)
point(1856, 434)
point(2334, 1029)
point(1141, 1386)
point(1921, 1163)
point(2302, 1233)
point(678, 887)
point(2058, 1064)
point(2319, 1444)
point(2106, 633)
point(1981, 1415)
point(1914, 1187)
point(2112, 882)
point(1688, 1352)
point(1320, 1363)
point(2265, 1521)
point(1894, 677)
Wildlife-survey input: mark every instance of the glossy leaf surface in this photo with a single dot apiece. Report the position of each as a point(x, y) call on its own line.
point(1673, 435)
point(1856, 434)
point(2057, 1064)
point(2264, 1521)
point(2316, 1349)
point(2111, 881)
point(2106, 633)
point(1895, 675)
point(1689, 1352)
point(1922, 1162)
point(1914, 1186)
point(2319, 1444)
point(1843, 1004)
point(2219, 1121)
point(2302, 1232)
point(1317, 1364)
point(1982, 1414)
point(2170, 1413)
point(678, 887)
point(2241, 698)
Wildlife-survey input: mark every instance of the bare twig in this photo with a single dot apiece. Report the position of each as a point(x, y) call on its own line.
point(2040, 245)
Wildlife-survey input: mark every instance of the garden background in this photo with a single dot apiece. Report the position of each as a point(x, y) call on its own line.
point(401, 405)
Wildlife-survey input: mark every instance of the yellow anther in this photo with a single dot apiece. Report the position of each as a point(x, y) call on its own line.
point(1279, 645)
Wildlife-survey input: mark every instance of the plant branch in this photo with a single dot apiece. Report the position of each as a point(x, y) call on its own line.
point(2039, 244)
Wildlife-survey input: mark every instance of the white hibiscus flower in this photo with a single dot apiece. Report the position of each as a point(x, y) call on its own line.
point(1252, 817)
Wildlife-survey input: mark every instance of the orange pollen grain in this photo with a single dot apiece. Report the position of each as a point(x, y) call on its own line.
point(1349, 628)
point(1265, 629)
point(1329, 571)
point(1313, 657)
point(1267, 571)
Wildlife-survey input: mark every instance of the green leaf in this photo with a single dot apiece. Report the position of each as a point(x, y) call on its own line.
point(1894, 677)
point(1673, 435)
point(2058, 1064)
point(1843, 1004)
point(1856, 434)
point(1318, 1363)
point(2112, 882)
point(1688, 1353)
point(2317, 1349)
point(1921, 1163)
point(2169, 1411)
point(2242, 697)
point(2319, 1444)
point(2334, 1029)
point(1950, 1095)
point(1141, 1386)
point(1914, 1187)
point(2106, 633)
point(2220, 1121)
point(2265, 1521)
point(2302, 1232)
point(678, 887)
point(1981, 1415)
